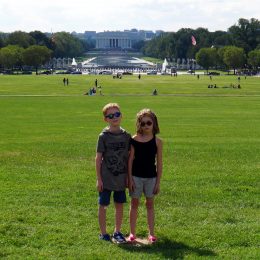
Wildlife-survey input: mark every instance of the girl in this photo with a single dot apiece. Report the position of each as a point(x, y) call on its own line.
point(144, 169)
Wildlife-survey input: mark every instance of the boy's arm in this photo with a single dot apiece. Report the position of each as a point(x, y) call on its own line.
point(158, 165)
point(130, 165)
point(98, 171)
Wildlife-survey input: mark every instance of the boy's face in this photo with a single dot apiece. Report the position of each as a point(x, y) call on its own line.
point(113, 117)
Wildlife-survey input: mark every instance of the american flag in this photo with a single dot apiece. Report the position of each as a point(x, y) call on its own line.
point(193, 40)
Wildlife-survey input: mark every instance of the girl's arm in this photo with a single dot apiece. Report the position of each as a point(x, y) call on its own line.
point(158, 165)
point(130, 165)
point(98, 171)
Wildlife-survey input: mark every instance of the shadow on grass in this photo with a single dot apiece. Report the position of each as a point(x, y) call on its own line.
point(167, 249)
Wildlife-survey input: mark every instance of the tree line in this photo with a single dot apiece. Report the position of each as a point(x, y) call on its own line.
point(238, 47)
point(19, 48)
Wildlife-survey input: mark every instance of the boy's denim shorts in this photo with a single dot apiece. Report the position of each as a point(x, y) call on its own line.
point(104, 197)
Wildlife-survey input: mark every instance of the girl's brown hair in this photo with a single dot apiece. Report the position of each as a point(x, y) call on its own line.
point(147, 112)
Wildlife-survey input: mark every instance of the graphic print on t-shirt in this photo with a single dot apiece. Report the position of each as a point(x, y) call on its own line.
point(115, 160)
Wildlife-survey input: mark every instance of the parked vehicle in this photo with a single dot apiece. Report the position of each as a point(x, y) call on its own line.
point(127, 73)
point(105, 72)
point(152, 72)
point(76, 72)
point(46, 72)
point(213, 73)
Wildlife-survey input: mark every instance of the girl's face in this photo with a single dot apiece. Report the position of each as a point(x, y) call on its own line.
point(146, 125)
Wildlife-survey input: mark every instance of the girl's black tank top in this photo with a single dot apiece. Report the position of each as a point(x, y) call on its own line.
point(144, 158)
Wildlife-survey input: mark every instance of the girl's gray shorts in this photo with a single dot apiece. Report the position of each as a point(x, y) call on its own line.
point(143, 185)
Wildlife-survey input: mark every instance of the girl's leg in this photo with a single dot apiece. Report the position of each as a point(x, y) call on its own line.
point(102, 219)
point(133, 214)
point(150, 215)
point(118, 216)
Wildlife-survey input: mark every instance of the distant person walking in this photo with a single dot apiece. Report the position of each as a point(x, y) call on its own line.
point(96, 82)
point(139, 76)
point(67, 81)
point(64, 81)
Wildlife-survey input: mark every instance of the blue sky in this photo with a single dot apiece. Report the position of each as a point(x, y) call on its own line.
point(102, 15)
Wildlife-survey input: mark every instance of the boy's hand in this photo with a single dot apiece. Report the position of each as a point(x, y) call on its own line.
point(131, 184)
point(99, 185)
point(156, 189)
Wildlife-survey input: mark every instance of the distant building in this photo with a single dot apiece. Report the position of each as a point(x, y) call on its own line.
point(90, 35)
point(122, 39)
point(117, 39)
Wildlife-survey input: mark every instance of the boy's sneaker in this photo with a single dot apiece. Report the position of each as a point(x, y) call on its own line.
point(105, 237)
point(118, 238)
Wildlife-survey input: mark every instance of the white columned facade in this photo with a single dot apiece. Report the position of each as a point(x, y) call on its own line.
point(115, 40)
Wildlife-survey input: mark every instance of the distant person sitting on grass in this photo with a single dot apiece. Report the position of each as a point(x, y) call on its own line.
point(155, 93)
point(144, 169)
point(111, 168)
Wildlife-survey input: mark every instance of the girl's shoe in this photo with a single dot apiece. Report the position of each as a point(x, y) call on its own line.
point(131, 238)
point(152, 239)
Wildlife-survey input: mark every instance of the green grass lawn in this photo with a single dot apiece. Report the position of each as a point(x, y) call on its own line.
point(209, 200)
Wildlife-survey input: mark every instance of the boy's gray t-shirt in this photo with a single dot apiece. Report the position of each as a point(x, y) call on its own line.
point(115, 149)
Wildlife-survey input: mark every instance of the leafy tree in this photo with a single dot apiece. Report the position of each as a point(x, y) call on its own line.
point(10, 56)
point(36, 56)
point(87, 44)
point(246, 34)
point(234, 57)
point(183, 43)
point(21, 39)
point(220, 38)
point(221, 62)
point(254, 59)
point(66, 45)
point(1, 40)
point(41, 39)
point(207, 57)
point(138, 45)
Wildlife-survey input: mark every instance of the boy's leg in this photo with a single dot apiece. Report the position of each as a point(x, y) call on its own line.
point(119, 199)
point(133, 214)
point(102, 219)
point(104, 201)
point(150, 215)
point(118, 216)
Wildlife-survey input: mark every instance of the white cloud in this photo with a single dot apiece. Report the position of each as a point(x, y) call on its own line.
point(100, 15)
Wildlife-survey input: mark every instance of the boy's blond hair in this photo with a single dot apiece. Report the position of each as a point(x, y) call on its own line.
point(108, 106)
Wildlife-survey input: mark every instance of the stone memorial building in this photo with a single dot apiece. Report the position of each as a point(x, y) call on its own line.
point(122, 39)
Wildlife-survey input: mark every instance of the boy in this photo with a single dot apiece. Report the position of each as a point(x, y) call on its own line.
point(111, 168)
